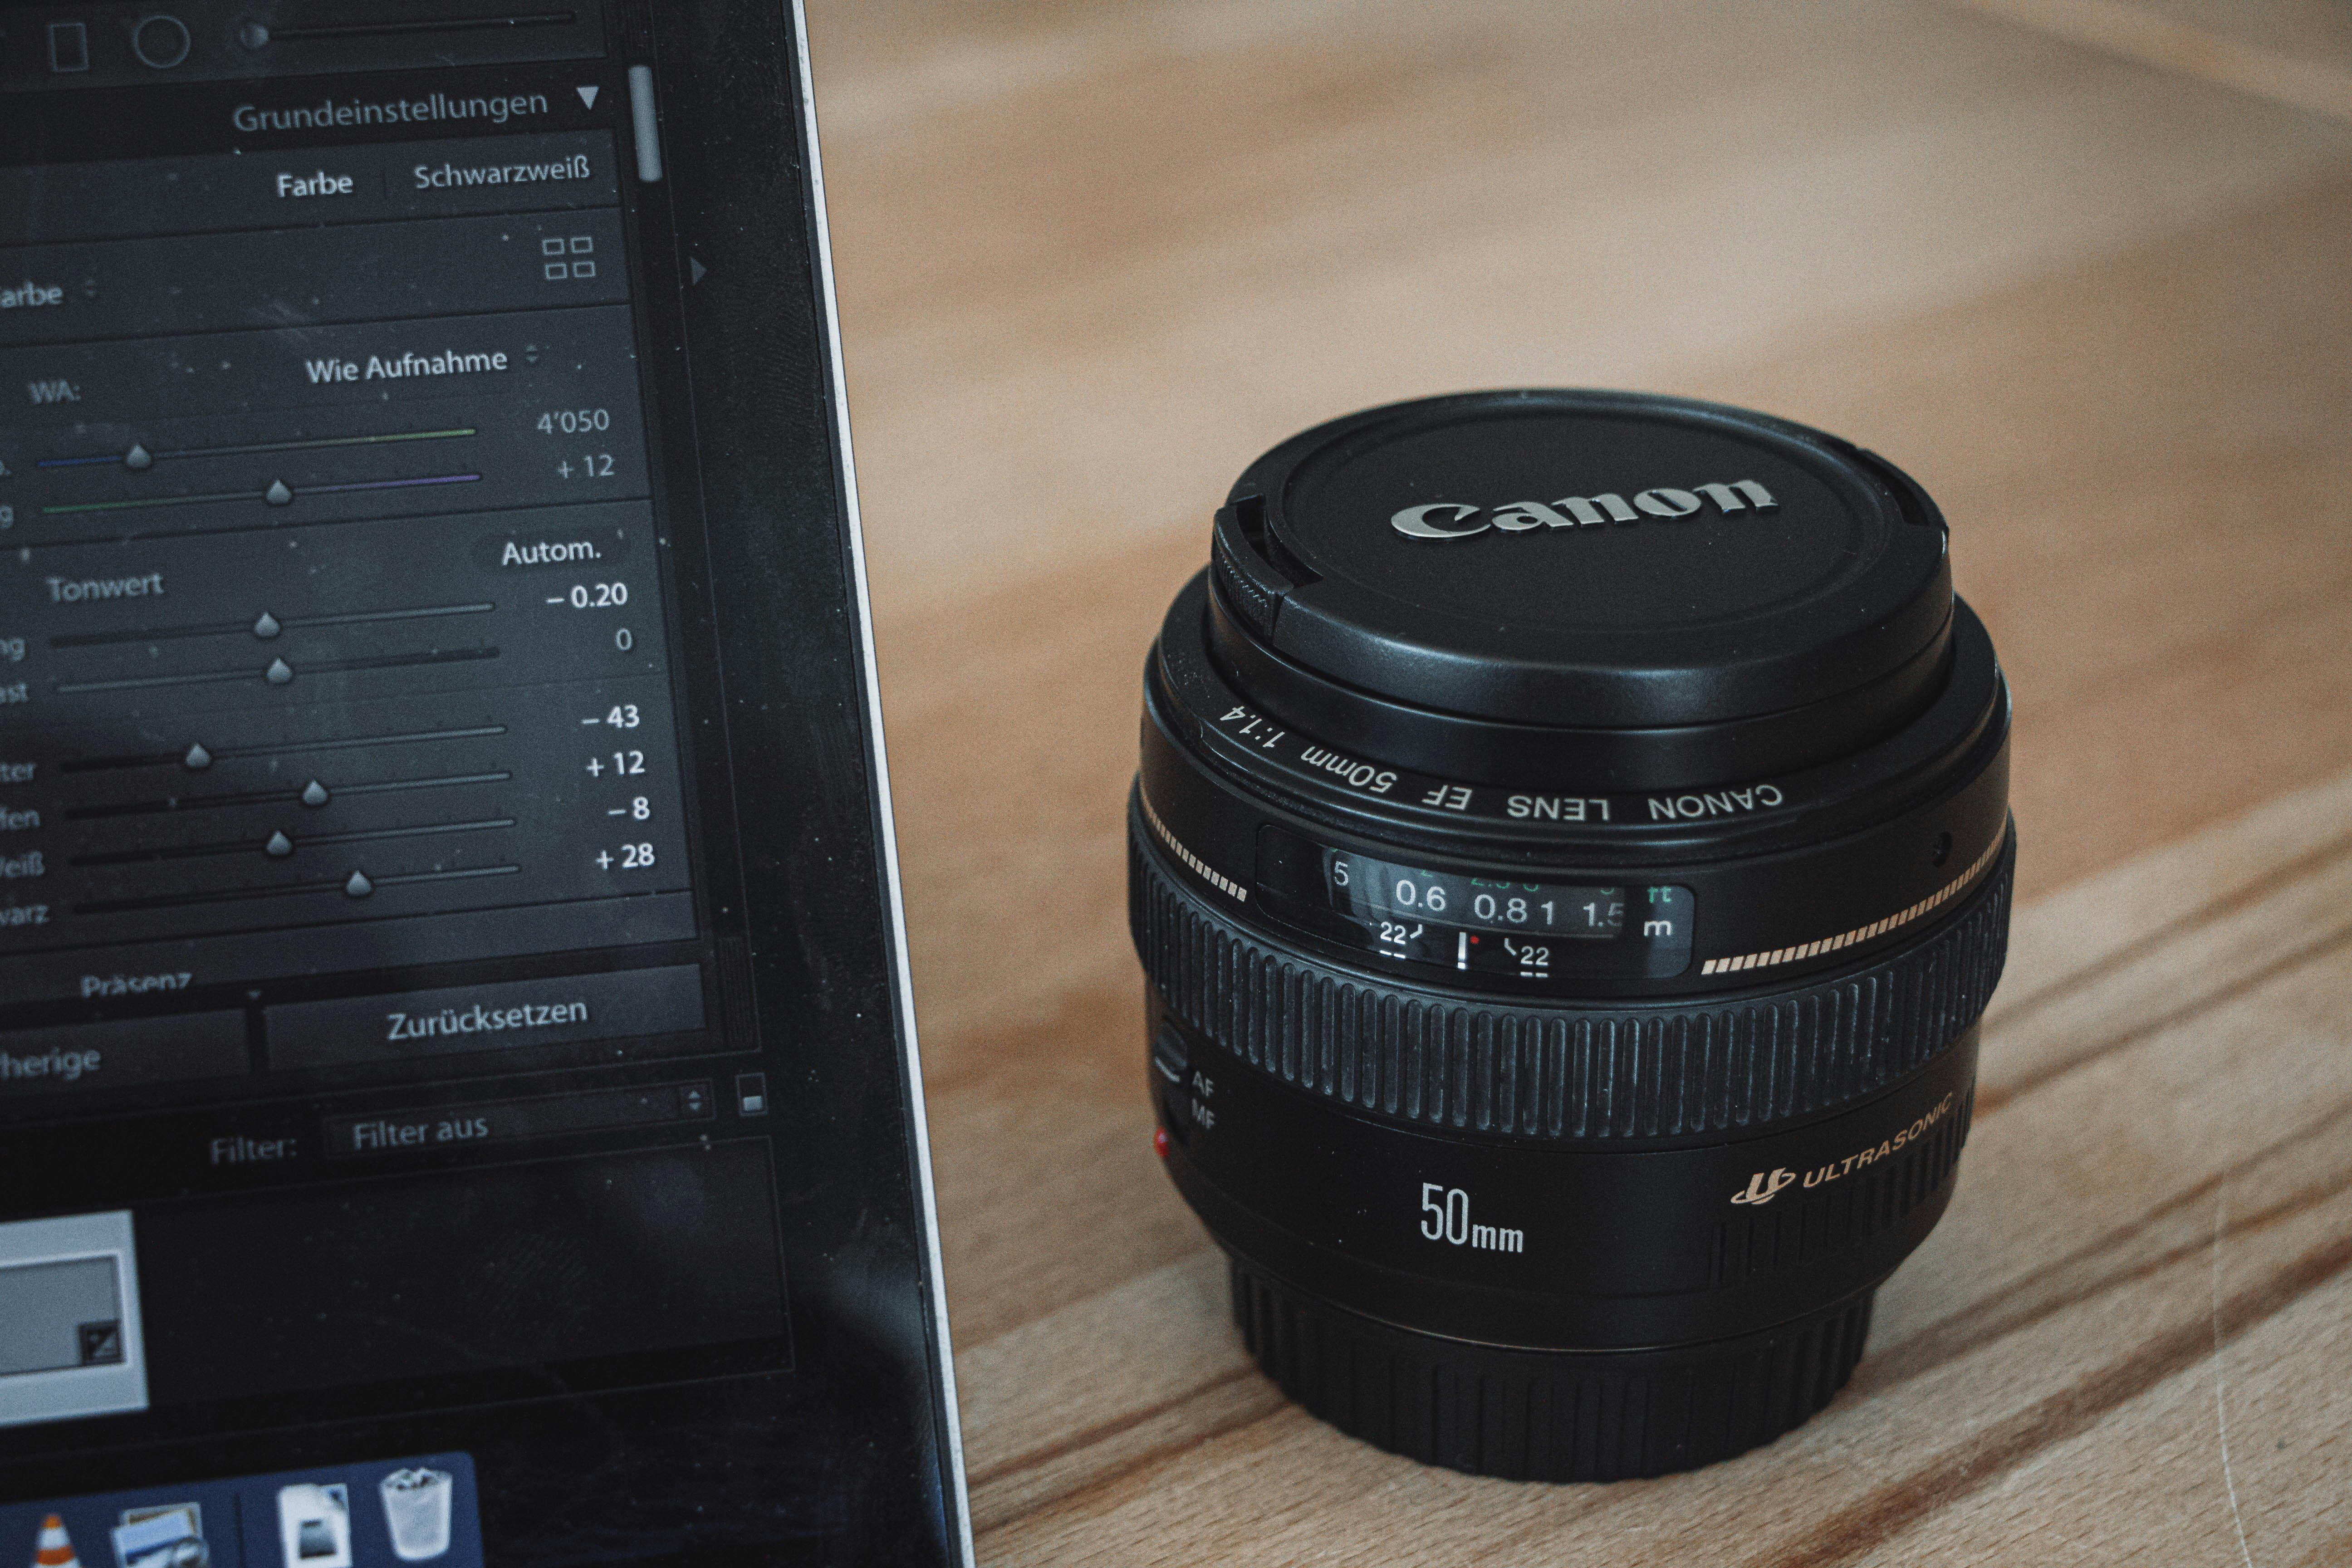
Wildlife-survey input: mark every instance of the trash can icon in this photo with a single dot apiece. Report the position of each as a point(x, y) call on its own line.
point(416, 1505)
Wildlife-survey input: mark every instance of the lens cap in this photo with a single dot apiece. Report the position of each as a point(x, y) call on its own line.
point(1586, 559)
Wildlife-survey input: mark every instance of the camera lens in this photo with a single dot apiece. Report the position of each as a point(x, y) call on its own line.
point(1571, 856)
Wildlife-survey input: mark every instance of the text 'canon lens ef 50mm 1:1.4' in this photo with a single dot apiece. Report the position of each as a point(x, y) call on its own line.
point(1570, 856)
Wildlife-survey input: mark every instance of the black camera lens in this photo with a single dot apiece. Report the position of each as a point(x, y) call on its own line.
point(1571, 856)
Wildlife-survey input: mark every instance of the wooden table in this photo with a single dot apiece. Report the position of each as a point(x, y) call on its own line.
point(2083, 267)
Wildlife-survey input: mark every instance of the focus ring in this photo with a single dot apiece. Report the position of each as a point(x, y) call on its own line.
point(1566, 1072)
point(1550, 1416)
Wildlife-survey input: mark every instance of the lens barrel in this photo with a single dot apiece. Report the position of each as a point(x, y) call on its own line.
point(1570, 858)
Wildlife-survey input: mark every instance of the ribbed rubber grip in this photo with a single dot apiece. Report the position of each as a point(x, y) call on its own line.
point(1554, 1415)
point(1563, 1070)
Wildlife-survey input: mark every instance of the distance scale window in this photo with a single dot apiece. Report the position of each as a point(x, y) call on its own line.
point(1486, 925)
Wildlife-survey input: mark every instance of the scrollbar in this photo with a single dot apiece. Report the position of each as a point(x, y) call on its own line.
point(642, 122)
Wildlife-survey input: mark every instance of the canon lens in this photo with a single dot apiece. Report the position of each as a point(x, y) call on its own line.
point(1570, 856)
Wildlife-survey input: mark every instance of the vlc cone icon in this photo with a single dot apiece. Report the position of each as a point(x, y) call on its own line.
point(56, 1550)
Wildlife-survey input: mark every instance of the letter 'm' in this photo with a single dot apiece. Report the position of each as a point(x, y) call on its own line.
point(1727, 496)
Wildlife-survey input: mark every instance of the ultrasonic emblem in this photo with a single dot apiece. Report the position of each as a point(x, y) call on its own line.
point(1764, 1187)
point(1451, 519)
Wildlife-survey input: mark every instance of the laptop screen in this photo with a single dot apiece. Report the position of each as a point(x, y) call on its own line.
point(452, 1020)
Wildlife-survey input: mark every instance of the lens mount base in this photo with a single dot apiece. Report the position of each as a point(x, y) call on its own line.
point(1547, 1415)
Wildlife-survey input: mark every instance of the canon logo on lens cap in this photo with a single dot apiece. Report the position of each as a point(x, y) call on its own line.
point(1727, 567)
point(1581, 511)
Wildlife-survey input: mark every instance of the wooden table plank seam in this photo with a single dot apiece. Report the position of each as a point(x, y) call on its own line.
point(1136, 1470)
point(1903, 1503)
point(2228, 902)
point(2174, 1229)
point(2132, 33)
point(2000, 1096)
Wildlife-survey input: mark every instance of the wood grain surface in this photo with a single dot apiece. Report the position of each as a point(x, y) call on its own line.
point(2083, 267)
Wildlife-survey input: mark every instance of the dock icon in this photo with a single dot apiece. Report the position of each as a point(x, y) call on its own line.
point(55, 1549)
